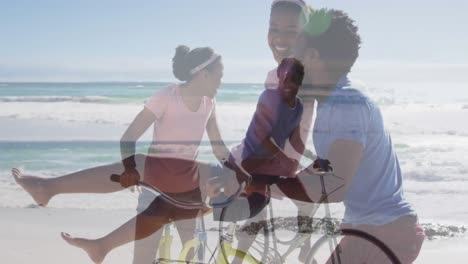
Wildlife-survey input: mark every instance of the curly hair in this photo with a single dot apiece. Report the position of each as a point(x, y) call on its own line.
point(335, 36)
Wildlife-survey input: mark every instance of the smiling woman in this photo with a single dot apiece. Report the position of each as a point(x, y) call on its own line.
point(286, 21)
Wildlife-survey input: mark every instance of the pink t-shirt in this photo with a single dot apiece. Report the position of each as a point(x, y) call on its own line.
point(178, 131)
point(170, 165)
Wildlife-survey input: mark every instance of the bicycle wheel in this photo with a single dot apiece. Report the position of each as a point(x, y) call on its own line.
point(356, 247)
point(254, 232)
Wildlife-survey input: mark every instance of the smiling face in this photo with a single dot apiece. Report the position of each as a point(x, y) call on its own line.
point(285, 26)
point(288, 85)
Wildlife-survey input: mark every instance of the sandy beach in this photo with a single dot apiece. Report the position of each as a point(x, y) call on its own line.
point(32, 235)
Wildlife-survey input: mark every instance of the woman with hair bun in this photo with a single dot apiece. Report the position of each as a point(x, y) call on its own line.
point(180, 113)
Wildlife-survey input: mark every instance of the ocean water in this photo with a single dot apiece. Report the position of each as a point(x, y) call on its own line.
point(51, 129)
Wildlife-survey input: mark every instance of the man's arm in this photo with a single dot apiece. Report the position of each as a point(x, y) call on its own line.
point(348, 130)
point(251, 163)
point(296, 140)
point(259, 137)
point(277, 162)
point(299, 145)
point(344, 156)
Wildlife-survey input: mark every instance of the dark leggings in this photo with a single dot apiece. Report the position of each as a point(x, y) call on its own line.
point(258, 197)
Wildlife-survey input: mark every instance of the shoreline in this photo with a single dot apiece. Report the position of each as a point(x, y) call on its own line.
point(54, 130)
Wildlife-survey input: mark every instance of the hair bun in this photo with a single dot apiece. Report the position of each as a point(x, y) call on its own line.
point(179, 64)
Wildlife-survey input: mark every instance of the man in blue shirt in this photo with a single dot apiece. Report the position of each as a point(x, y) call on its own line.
point(350, 134)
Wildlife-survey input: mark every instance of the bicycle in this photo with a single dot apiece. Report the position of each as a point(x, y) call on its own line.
point(198, 243)
point(265, 249)
point(261, 251)
point(199, 246)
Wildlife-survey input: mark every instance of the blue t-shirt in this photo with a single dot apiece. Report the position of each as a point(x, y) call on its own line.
point(375, 194)
point(273, 118)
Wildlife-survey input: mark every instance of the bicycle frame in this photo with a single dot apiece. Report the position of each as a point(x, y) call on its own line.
point(198, 243)
point(165, 243)
point(294, 243)
point(299, 239)
point(200, 240)
point(226, 241)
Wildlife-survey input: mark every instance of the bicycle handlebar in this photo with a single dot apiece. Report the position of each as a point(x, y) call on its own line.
point(185, 205)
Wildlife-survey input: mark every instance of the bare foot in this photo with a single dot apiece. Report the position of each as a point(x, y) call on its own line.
point(35, 186)
point(95, 252)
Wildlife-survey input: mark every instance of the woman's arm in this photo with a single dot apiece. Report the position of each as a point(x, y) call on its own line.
point(127, 146)
point(220, 150)
point(344, 157)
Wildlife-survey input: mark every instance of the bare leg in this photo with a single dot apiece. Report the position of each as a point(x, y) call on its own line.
point(186, 229)
point(143, 225)
point(93, 180)
point(136, 228)
point(144, 251)
point(246, 238)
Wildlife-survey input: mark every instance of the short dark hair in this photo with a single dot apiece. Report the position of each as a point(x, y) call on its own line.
point(335, 36)
point(295, 67)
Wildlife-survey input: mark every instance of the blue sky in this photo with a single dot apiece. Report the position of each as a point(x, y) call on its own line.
point(135, 40)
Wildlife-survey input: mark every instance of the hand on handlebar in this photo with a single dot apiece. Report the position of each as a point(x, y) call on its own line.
point(129, 177)
point(323, 165)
